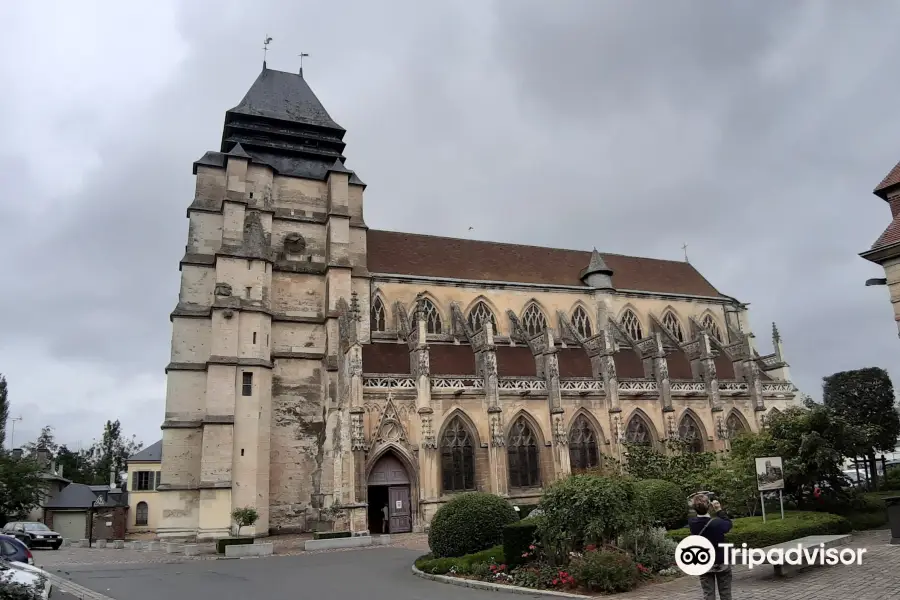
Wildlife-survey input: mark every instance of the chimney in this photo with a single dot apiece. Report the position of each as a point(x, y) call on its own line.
point(112, 477)
point(43, 457)
point(17, 453)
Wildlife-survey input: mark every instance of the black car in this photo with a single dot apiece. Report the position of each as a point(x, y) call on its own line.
point(33, 535)
point(13, 550)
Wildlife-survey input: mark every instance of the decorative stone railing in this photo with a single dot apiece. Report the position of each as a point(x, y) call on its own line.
point(638, 387)
point(581, 385)
point(690, 388)
point(403, 382)
point(521, 384)
point(733, 387)
point(770, 360)
point(457, 383)
point(778, 388)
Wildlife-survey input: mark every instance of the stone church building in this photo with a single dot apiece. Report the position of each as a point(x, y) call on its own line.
point(322, 370)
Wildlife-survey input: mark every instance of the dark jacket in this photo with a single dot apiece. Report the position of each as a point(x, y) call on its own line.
point(715, 531)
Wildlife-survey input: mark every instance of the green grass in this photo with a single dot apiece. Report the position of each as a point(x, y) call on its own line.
point(796, 524)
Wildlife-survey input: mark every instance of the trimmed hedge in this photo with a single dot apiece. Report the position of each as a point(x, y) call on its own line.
point(469, 523)
point(331, 535)
point(664, 502)
point(517, 537)
point(460, 564)
point(756, 534)
point(221, 544)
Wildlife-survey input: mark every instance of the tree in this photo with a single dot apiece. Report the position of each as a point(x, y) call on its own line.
point(22, 486)
point(46, 439)
point(244, 517)
point(4, 409)
point(76, 466)
point(110, 454)
point(865, 399)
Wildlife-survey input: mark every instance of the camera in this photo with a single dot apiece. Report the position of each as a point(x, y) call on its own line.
point(711, 495)
point(695, 555)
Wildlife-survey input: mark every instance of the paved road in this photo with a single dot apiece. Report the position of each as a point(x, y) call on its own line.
point(376, 574)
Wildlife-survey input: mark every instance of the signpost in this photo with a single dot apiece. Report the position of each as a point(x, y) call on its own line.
point(770, 477)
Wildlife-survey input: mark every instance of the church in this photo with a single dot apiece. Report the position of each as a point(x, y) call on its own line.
point(322, 371)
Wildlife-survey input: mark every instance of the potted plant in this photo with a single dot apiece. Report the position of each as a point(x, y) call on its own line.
point(243, 517)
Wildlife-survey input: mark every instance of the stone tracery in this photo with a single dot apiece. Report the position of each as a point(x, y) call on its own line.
point(584, 452)
point(689, 432)
point(632, 325)
point(710, 325)
point(524, 455)
point(670, 322)
point(457, 457)
point(533, 320)
point(581, 322)
point(479, 315)
point(379, 315)
point(637, 431)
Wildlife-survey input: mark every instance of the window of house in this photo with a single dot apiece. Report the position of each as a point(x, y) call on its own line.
point(583, 450)
point(524, 456)
point(247, 384)
point(581, 322)
point(632, 325)
point(457, 458)
point(379, 320)
point(142, 514)
point(670, 322)
point(479, 315)
point(144, 481)
point(533, 320)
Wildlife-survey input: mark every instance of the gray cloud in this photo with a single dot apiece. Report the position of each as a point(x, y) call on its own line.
point(753, 135)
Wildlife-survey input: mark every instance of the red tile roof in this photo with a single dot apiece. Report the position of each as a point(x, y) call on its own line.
point(890, 236)
point(515, 361)
point(446, 359)
point(892, 179)
point(432, 256)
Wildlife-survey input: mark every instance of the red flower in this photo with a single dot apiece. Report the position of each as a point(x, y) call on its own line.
point(590, 548)
point(556, 582)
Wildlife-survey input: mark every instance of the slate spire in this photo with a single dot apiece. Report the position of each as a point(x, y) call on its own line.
point(597, 274)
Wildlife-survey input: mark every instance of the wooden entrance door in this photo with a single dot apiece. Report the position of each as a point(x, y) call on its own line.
point(399, 509)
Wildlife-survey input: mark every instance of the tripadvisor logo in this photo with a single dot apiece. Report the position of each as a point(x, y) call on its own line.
point(696, 555)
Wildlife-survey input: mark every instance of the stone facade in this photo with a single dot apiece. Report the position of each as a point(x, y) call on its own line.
point(321, 371)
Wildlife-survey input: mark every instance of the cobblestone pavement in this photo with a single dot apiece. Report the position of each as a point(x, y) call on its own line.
point(877, 578)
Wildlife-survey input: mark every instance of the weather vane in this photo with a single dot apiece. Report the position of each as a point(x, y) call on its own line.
point(266, 48)
point(302, 55)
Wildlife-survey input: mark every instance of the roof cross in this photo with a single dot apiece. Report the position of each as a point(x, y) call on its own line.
point(302, 55)
point(684, 247)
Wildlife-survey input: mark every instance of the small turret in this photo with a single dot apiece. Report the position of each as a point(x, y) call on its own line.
point(597, 274)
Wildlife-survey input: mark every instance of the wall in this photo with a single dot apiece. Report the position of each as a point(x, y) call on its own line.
point(108, 523)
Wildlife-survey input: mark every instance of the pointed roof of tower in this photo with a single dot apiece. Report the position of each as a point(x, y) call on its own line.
point(239, 151)
point(597, 265)
point(285, 97)
point(338, 167)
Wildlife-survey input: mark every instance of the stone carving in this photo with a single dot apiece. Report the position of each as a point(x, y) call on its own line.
point(401, 317)
point(390, 429)
point(423, 362)
point(294, 244)
point(521, 384)
point(428, 439)
point(401, 382)
point(223, 289)
point(356, 367)
point(581, 385)
point(228, 314)
point(357, 433)
point(497, 439)
point(552, 367)
point(457, 383)
point(559, 431)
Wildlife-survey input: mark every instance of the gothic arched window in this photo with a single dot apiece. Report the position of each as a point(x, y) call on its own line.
point(583, 451)
point(379, 320)
point(638, 432)
point(457, 457)
point(581, 322)
point(670, 322)
point(479, 315)
point(734, 425)
point(524, 456)
point(533, 320)
point(632, 325)
point(709, 324)
point(433, 322)
point(689, 432)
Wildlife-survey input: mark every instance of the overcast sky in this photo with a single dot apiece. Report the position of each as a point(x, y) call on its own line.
point(753, 132)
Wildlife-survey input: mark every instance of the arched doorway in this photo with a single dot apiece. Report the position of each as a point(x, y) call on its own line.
point(389, 489)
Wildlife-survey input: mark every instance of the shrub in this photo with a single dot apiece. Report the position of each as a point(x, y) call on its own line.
point(585, 509)
point(605, 570)
point(221, 544)
point(892, 479)
point(517, 539)
point(664, 502)
point(469, 523)
point(244, 517)
point(756, 534)
point(650, 547)
point(462, 565)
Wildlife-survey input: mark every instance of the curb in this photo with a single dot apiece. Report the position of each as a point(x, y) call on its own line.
point(494, 587)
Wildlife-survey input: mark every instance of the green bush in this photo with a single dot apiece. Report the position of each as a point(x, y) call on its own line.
point(664, 501)
point(587, 509)
point(756, 534)
point(221, 544)
point(892, 479)
point(650, 547)
point(331, 535)
point(867, 520)
point(517, 537)
point(469, 523)
point(462, 565)
point(608, 571)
